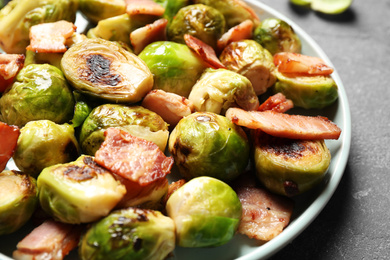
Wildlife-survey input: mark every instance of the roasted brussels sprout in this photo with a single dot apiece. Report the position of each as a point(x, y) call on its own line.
point(97, 10)
point(201, 21)
point(43, 143)
point(288, 166)
point(81, 109)
point(104, 70)
point(207, 144)
point(310, 92)
point(277, 36)
point(18, 16)
point(39, 92)
point(78, 192)
point(217, 90)
point(251, 60)
point(18, 200)
point(206, 212)
point(136, 120)
point(174, 66)
point(130, 233)
point(33, 57)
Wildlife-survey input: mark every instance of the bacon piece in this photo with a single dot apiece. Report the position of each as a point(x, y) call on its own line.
point(264, 215)
point(150, 7)
point(239, 32)
point(50, 37)
point(295, 63)
point(8, 140)
point(10, 65)
point(51, 240)
point(143, 36)
point(278, 103)
point(132, 157)
point(205, 51)
point(285, 125)
point(170, 106)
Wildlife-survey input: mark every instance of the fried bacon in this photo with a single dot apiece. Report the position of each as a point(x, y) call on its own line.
point(143, 36)
point(8, 139)
point(278, 103)
point(10, 65)
point(149, 7)
point(239, 32)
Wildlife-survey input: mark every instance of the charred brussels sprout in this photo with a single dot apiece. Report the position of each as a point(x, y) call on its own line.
point(290, 167)
point(206, 212)
point(40, 92)
point(104, 70)
point(217, 90)
point(139, 121)
point(78, 192)
point(43, 143)
point(277, 36)
point(174, 66)
point(310, 92)
point(201, 21)
point(207, 144)
point(18, 200)
point(129, 234)
point(96, 10)
point(251, 60)
point(18, 16)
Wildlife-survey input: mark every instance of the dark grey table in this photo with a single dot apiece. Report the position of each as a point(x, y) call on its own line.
point(355, 224)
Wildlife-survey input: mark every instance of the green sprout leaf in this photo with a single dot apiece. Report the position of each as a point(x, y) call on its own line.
point(325, 6)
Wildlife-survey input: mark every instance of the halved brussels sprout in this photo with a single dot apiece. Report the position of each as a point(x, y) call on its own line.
point(78, 192)
point(43, 143)
point(129, 234)
point(96, 10)
point(206, 212)
point(137, 120)
point(310, 92)
point(18, 200)
point(207, 144)
point(217, 90)
point(39, 92)
point(104, 70)
point(277, 36)
point(288, 166)
point(201, 21)
point(251, 60)
point(18, 16)
point(174, 66)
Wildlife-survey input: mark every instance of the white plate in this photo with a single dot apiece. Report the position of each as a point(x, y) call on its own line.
point(307, 206)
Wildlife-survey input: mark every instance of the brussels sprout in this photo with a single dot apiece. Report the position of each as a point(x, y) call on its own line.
point(130, 233)
point(81, 109)
point(102, 69)
point(18, 16)
point(97, 10)
point(18, 200)
point(138, 121)
point(40, 92)
point(288, 166)
point(78, 192)
point(217, 90)
point(206, 212)
point(207, 144)
point(43, 143)
point(174, 66)
point(251, 60)
point(277, 36)
point(307, 91)
point(201, 21)
point(172, 7)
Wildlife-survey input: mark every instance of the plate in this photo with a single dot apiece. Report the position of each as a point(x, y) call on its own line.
point(307, 206)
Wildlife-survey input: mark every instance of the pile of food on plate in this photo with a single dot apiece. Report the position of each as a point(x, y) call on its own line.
point(163, 124)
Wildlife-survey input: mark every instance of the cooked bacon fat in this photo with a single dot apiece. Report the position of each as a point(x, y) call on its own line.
point(143, 36)
point(132, 157)
point(10, 65)
point(8, 139)
point(239, 32)
point(150, 7)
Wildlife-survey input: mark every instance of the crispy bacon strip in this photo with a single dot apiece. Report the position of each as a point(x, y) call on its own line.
point(205, 51)
point(10, 65)
point(143, 36)
point(278, 103)
point(132, 158)
point(150, 7)
point(8, 140)
point(50, 37)
point(51, 240)
point(239, 32)
point(285, 125)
